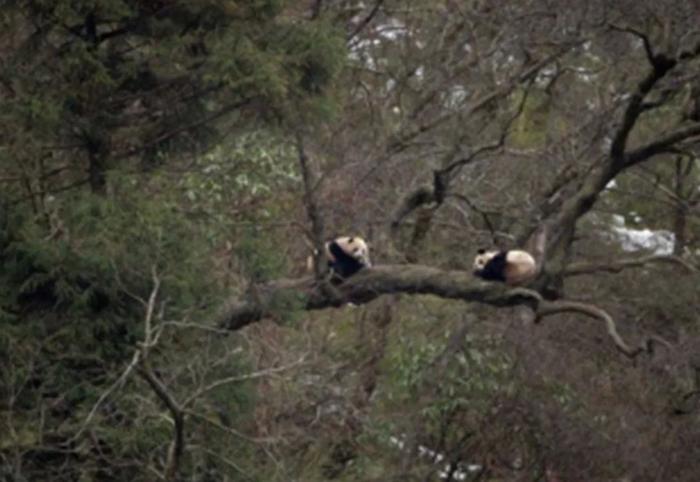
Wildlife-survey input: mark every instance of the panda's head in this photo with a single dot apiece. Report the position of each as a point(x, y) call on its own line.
point(356, 248)
point(482, 258)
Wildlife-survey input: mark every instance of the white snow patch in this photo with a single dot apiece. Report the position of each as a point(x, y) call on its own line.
point(392, 29)
point(460, 472)
point(397, 441)
point(660, 242)
point(455, 96)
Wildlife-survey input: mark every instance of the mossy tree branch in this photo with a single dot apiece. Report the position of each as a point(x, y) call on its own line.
point(373, 283)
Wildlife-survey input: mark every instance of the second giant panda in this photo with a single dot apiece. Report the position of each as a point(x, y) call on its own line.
point(513, 267)
point(346, 256)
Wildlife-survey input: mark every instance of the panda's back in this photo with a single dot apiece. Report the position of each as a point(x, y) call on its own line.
point(520, 267)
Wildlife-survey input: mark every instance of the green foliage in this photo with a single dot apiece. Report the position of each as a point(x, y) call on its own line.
point(473, 376)
point(287, 307)
point(73, 291)
point(107, 253)
point(107, 78)
point(260, 256)
point(250, 169)
point(531, 126)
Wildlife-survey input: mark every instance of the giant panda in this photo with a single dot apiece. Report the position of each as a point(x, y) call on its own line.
point(346, 256)
point(513, 267)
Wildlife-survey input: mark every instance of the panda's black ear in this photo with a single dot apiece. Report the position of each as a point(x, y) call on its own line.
point(350, 240)
point(481, 251)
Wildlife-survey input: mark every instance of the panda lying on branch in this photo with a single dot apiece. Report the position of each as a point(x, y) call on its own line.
point(513, 267)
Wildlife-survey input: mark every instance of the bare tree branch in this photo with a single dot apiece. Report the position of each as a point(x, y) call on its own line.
point(161, 391)
point(119, 382)
point(562, 222)
point(548, 309)
point(635, 108)
point(135, 360)
point(667, 143)
point(481, 212)
point(240, 378)
point(643, 37)
point(526, 75)
point(576, 269)
point(444, 176)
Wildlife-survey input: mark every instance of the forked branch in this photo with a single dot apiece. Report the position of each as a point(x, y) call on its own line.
point(148, 374)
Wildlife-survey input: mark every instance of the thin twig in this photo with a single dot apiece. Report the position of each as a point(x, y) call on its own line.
point(240, 378)
point(551, 308)
point(576, 269)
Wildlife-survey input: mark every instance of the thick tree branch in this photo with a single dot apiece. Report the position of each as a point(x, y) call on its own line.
point(364, 287)
point(661, 65)
point(561, 224)
point(648, 50)
point(372, 283)
point(635, 107)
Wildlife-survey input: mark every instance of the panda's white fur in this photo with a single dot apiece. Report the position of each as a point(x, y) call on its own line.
point(353, 246)
point(346, 256)
point(513, 267)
